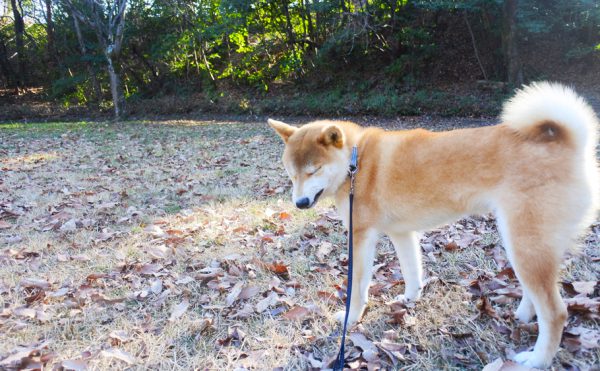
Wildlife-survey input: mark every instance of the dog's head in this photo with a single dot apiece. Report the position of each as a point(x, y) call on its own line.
point(315, 158)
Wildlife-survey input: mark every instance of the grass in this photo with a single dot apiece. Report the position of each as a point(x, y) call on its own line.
point(165, 204)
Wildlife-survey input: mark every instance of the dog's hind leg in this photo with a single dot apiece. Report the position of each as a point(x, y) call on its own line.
point(409, 254)
point(533, 248)
point(364, 253)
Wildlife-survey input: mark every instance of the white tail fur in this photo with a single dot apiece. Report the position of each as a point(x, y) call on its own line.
point(545, 101)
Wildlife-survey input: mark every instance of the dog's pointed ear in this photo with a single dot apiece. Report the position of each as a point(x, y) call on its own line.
point(284, 130)
point(332, 135)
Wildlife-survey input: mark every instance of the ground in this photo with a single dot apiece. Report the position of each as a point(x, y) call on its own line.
point(174, 245)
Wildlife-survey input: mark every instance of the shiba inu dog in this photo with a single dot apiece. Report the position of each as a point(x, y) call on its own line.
point(537, 171)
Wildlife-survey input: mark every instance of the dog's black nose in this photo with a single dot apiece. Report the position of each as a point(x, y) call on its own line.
point(303, 203)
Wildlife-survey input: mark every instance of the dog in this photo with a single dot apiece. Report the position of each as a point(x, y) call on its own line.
point(536, 170)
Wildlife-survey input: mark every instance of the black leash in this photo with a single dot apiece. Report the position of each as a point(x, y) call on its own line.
point(353, 169)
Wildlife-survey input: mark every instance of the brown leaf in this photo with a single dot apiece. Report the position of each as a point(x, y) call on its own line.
point(233, 295)
point(583, 304)
point(585, 287)
point(183, 280)
point(245, 312)
point(324, 250)
point(178, 310)
point(118, 354)
point(277, 267)
point(158, 252)
point(248, 292)
point(284, 215)
point(150, 269)
point(507, 272)
point(280, 269)
point(297, 313)
point(25, 312)
point(91, 278)
point(201, 325)
point(155, 230)
point(362, 342)
point(120, 336)
point(329, 297)
point(234, 335)
point(5, 225)
point(74, 364)
point(394, 351)
point(263, 304)
point(485, 307)
point(451, 246)
point(23, 357)
point(397, 312)
point(103, 299)
point(35, 283)
point(580, 338)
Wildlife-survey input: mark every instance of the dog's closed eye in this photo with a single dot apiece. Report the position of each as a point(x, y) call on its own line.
point(313, 172)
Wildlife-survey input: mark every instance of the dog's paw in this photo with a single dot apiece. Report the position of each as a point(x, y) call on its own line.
point(531, 359)
point(402, 299)
point(525, 312)
point(341, 316)
point(405, 299)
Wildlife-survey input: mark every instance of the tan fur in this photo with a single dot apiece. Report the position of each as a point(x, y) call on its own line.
point(533, 176)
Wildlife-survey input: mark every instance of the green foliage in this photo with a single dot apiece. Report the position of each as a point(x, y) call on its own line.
point(70, 90)
point(341, 49)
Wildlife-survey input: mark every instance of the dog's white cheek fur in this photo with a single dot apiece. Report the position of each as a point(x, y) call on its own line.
point(328, 179)
point(336, 172)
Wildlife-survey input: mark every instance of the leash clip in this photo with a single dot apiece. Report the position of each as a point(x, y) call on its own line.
point(353, 168)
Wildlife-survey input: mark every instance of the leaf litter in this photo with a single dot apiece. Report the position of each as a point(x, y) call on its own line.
point(165, 238)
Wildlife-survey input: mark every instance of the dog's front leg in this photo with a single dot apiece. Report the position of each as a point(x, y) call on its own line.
point(409, 254)
point(364, 254)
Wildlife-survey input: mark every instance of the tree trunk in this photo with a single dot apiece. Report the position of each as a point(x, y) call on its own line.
point(311, 30)
point(114, 87)
point(50, 47)
point(19, 32)
point(514, 71)
point(5, 66)
point(289, 28)
point(466, 18)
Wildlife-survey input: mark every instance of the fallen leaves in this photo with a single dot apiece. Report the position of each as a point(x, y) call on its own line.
point(36, 283)
point(234, 294)
point(119, 354)
point(297, 313)
point(143, 236)
point(580, 339)
point(28, 357)
point(178, 310)
point(265, 303)
point(248, 292)
point(74, 364)
point(500, 365)
point(278, 267)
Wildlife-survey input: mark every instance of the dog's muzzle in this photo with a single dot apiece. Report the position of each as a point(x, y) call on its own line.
point(304, 202)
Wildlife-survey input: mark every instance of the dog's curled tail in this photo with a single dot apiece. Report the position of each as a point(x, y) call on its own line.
point(551, 112)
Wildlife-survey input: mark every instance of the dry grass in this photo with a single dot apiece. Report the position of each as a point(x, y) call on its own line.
point(121, 224)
